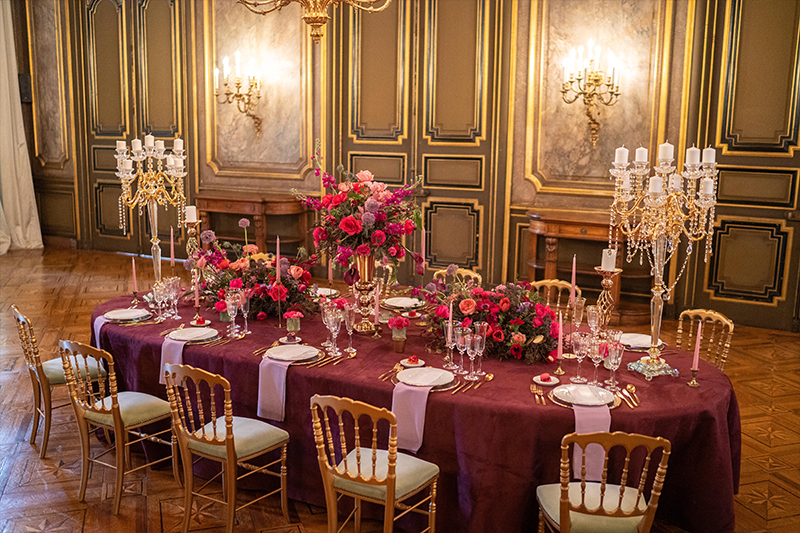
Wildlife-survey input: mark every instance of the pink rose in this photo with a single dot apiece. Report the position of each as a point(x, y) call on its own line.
point(350, 225)
point(364, 176)
point(467, 322)
point(378, 238)
point(392, 251)
point(221, 306)
point(345, 187)
point(467, 306)
point(295, 271)
point(443, 311)
point(363, 249)
point(201, 263)
point(236, 283)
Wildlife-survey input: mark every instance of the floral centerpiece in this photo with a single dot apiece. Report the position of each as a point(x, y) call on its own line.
point(232, 266)
point(519, 326)
point(359, 216)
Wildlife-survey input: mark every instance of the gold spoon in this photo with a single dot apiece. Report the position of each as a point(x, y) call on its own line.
point(632, 390)
point(343, 358)
point(489, 377)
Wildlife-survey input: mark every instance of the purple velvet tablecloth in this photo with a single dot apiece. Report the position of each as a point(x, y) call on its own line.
point(494, 446)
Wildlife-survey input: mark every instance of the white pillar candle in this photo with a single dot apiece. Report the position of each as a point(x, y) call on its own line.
point(665, 151)
point(178, 144)
point(136, 145)
point(178, 162)
point(608, 263)
point(656, 184)
point(621, 156)
point(641, 155)
point(709, 155)
point(149, 141)
point(127, 164)
point(191, 213)
point(120, 145)
point(160, 145)
point(707, 186)
point(626, 183)
point(170, 161)
point(676, 182)
point(693, 156)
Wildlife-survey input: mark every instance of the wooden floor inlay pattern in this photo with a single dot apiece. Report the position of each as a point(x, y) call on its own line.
point(58, 289)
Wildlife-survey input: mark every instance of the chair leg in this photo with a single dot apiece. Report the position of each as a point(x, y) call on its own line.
point(120, 453)
point(188, 487)
point(541, 520)
point(107, 435)
point(432, 509)
point(83, 429)
point(358, 515)
point(176, 461)
point(230, 495)
point(332, 504)
point(37, 404)
point(388, 517)
point(284, 495)
point(47, 403)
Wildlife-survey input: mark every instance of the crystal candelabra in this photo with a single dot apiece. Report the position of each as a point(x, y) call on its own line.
point(246, 92)
point(158, 180)
point(655, 214)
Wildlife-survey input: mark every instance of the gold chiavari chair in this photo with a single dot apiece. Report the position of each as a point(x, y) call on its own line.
point(387, 478)
point(555, 292)
point(465, 273)
point(227, 439)
point(99, 404)
point(45, 377)
point(719, 340)
point(591, 507)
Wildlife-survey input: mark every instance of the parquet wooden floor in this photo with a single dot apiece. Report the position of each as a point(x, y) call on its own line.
point(59, 288)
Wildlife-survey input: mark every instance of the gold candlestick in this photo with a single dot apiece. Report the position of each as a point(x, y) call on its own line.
point(559, 371)
point(606, 300)
point(694, 382)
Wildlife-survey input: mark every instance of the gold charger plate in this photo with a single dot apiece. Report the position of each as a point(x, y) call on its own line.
point(132, 320)
point(558, 402)
point(320, 355)
point(439, 388)
point(204, 341)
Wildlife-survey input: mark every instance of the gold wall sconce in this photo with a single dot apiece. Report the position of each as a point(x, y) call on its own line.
point(246, 91)
point(583, 78)
point(315, 12)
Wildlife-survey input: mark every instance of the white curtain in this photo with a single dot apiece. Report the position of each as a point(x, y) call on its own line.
point(19, 220)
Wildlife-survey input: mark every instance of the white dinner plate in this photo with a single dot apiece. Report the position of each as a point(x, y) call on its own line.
point(325, 291)
point(402, 302)
point(198, 334)
point(637, 340)
point(574, 394)
point(425, 377)
point(292, 352)
point(121, 315)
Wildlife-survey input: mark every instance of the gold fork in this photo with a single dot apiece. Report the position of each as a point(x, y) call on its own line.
point(540, 391)
point(386, 375)
point(535, 395)
point(168, 331)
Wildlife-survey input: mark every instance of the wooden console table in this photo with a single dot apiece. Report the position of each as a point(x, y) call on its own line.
point(583, 226)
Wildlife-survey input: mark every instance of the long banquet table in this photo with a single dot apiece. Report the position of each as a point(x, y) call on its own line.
point(495, 445)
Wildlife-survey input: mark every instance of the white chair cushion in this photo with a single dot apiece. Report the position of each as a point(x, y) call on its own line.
point(135, 408)
point(412, 473)
point(250, 436)
point(54, 370)
point(549, 495)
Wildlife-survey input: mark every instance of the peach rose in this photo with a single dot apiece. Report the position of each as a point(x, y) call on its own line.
point(364, 176)
point(467, 306)
point(295, 271)
point(518, 338)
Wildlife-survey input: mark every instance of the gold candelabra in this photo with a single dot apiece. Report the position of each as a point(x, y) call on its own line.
point(158, 180)
point(654, 215)
point(585, 80)
point(246, 92)
point(315, 12)
point(606, 300)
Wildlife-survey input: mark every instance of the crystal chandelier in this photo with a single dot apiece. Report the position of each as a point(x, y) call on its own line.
point(655, 214)
point(315, 12)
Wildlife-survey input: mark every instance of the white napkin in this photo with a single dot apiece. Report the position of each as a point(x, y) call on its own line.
point(272, 388)
point(590, 419)
point(99, 322)
point(171, 354)
point(409, 404)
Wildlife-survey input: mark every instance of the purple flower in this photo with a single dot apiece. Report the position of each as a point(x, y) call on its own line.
point(372, 205)
point(188, 264)
point(431, 287)
point(328, 180)
point(244, 223)
point(368, 220)
point(208, 236)
point(351, 276)
point(452, 269)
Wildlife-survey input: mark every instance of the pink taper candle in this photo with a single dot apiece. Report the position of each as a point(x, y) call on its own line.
point(696, 360)
point(278, 259)
point(330, 271)
point(197, 291)
point(377, 318)
point(450, 323)
point(560, 335)
point(133, 270)
point(572, 287)
point(171, 247)
point(423, 244)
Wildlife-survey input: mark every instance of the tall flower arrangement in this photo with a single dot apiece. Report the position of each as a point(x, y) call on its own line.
point(358, 216)
point(519, 326)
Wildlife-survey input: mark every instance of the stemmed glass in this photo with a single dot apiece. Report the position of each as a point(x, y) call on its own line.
point(597, 356)
point(450, 337)
point(461, 344)
point(324, 305)
point(577, 318)
point(160, 295)
point(333, 323)
point(175, 294)
point(615, 351)
point(472, 343)
point(349, 321)
point(580, 342)
point(232, 302)
point(244, 306)
point(594, 318)
point(481, 330)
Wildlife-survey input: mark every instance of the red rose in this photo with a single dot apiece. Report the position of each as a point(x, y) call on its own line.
point(363, 249)
point(278, 292)
point(540, 310)
point(516, 322)
point(505, 304)
point(236, 283)
point(409, 226)
point(326, 201)
point(443, 311)
point(554, 330)
point(401, 252)
point(338, 199)
point(221, 306)
point(221, 294)
point(261, 316)
point(537, 321)
point(350, 225)
point(467, 322)
point(498, 335)
point(378, 238)
point(516, 351)
point(306, 277)
point(222, 265)
point(491, 318)
point(320, 234)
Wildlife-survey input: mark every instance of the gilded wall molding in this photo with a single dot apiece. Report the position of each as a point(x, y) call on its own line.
point(471, 210)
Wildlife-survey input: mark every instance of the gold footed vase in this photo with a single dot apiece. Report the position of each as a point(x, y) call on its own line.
point(364, 293)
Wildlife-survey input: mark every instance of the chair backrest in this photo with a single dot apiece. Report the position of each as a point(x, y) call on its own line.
point(84, 395)
point(555, 292)
point(629, 441)
point(328, 449)
point(30, 348)
point(193, 400)
point(465, 273)
point(719, 339)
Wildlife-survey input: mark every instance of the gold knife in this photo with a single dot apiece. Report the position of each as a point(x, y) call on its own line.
point(459, 387)
point(625, 399)
point(471, 383)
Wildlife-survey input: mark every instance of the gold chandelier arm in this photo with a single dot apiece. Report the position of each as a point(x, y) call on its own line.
point(271, 5)
point(367, 5)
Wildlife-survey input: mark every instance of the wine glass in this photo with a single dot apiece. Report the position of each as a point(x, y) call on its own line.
point(324, 306)
point(349, 321)
point(596, 354)
point(461, 344)
point(244, 306)
point(333, 324)
point(473, 343)
point(450, 338)
point(160, 295)
point(577, 317)
point(175, 293)
point(580, 342)
point(232, 303)
point(615, 351)
point(481, 330)
point(594, 318)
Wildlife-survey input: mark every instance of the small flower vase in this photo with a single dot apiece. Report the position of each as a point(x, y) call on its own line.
point(292, 326)
point(399, 340)
point(224, 317)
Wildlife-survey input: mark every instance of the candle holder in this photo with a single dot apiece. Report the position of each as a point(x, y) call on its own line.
point(606, 300)
point(694, 382)
point(377, 334)
point(558, 371)
point(135, 300)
